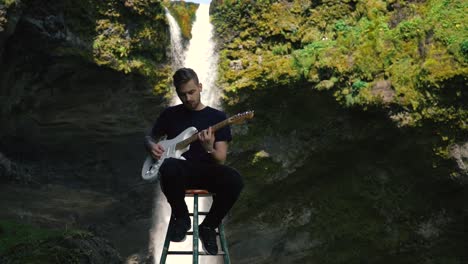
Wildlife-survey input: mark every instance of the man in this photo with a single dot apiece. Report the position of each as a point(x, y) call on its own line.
point(203, 167)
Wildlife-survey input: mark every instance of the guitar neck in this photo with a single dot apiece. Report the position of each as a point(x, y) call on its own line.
point(184, 143)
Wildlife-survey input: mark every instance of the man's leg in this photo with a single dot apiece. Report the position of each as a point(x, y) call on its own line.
point(226, 184)
point(174, 176)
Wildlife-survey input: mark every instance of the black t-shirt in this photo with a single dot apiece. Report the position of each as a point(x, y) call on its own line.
point(173, 120)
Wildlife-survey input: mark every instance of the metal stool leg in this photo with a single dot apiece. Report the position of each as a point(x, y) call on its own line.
point(224, 246)
point(167, 242)
point(195, 229)
point(195, 234)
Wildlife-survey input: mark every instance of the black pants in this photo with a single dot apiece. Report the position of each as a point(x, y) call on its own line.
point(180, 175)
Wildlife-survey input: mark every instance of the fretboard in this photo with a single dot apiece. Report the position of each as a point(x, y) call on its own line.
point(184, 143)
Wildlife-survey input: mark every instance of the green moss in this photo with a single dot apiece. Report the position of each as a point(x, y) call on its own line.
point(464, 48)
point(21, 243)
point(410, 29)
point(127, 36)
point(8, 3)
point(13, 233)
point(5, 7)
point(304, 59)
point(419, 47)
point(356, 203)
point(364, 207)
point(184, 13)
point(125, 48)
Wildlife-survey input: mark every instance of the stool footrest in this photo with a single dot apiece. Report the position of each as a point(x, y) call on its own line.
point(190, 233)
point(221, 253)
point(195, 233)
point(199, 213)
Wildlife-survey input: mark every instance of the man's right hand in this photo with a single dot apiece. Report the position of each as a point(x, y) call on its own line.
point(156, 150)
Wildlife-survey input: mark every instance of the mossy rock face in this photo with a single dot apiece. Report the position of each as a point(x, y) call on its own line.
point(81, 60)
point(406, 57)
point(185, 14)
point(325, 184)
point(78, 74)
point(126, 36)
point(345, 159)
point(73, 248)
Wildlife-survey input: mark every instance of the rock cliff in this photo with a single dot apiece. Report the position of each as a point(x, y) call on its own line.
point(80, 83)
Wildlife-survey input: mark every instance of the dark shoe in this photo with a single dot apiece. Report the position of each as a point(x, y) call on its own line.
point(178, 228)
point(208, 239)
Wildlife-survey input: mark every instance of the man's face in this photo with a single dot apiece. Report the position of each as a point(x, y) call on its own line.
point(189, 94)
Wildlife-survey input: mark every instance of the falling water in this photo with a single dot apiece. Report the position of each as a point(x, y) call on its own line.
point(200, 56)
point(177, 49)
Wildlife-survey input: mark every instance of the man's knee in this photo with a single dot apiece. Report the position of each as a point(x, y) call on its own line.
point(234, 180)
point(169, 168)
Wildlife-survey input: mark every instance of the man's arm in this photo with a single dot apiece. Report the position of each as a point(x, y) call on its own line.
point(219, 152)
point(155, 134)
point(155, 149)
point(148, 141)
point(218, 149)
point(152, 146)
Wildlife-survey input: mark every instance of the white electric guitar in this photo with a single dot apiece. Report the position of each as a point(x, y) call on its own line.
point(174, 148)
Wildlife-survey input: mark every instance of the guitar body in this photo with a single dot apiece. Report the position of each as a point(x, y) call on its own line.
point(150, 170)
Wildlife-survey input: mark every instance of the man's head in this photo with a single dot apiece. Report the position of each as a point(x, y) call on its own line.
point(188, 88)
point(183, 76)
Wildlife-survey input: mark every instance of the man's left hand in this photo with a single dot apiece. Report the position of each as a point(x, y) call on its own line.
point(207, 139)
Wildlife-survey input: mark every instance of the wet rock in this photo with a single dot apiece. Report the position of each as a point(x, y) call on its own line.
point(11, 172)
point(383, 89)
point(5, 168)
point(236, 65)
point(459, 153)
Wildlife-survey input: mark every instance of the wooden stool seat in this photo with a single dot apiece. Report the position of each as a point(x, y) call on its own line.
point(196, 191)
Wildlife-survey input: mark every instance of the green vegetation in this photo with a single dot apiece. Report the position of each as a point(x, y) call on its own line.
point(132, 38)
point(361, 174)
point(4, 6)
point(21, 243)
point(184, 14)
point(129, 36)
point(350, 181)
point(407, 57)
point(12, 233)
point(8, 3)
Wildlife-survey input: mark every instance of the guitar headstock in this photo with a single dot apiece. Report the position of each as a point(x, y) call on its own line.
point(241, 117)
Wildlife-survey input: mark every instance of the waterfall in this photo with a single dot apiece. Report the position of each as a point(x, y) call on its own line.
point(201, 57)
point(162, 210)
point(177, 54)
